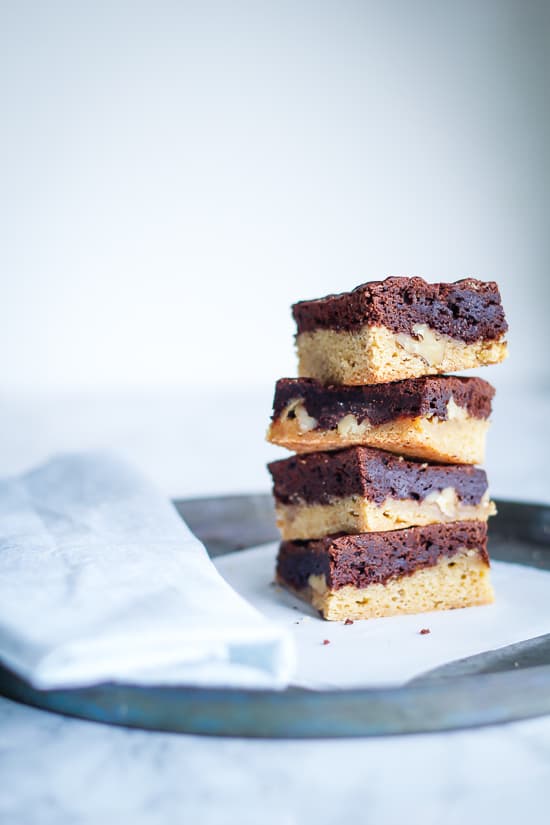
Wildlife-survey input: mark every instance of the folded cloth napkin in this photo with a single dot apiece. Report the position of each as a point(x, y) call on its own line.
point(100, 580)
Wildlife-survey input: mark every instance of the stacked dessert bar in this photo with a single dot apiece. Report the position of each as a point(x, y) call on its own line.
point(382, 510)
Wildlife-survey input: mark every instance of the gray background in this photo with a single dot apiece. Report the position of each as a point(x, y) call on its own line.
point(175, 174)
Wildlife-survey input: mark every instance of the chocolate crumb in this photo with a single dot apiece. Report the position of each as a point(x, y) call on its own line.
point(326, 641)
point(348, 621)
point(424, 631)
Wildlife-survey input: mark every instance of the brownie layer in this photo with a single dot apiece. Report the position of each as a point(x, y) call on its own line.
point(380, 403)
point(374, 474)
point(370, 558)
point(468, 310)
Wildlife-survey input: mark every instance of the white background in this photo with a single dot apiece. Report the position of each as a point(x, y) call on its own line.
point(175, 174)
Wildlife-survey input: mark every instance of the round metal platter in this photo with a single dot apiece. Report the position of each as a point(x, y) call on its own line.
point(499, 686)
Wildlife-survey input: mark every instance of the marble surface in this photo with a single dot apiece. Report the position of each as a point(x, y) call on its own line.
point(63, 771)
point(58, 772)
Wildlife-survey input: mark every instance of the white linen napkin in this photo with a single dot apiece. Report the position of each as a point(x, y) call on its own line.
point(101, 580)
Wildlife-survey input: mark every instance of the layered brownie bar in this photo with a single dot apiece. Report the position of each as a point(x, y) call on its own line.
point(438, 567)
point(361, 489)
point(400, 328)
point(441, 418)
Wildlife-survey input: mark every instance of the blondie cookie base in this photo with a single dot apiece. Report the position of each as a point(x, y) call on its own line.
point(359, 515)
point(460, 439)
point(461, 580)
point(375, 354)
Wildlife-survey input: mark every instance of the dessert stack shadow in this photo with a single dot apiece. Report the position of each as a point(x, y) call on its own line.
point(381, 511)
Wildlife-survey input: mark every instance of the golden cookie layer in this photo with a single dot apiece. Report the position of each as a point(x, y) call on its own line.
point(459, 581)
point(359, 515)
point(459, 439)
point(375, 354)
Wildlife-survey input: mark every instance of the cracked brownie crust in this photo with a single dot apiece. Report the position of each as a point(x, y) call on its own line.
point(380, 403)
point(375, 474)
point(468, 309)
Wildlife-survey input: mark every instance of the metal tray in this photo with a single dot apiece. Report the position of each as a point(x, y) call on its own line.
point(500, 686)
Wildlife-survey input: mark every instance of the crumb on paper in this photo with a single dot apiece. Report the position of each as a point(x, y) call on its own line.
point(424, 631)
point(326, 641)
point(348, 621)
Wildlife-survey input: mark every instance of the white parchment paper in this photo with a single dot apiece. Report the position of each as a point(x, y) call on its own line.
point(100, 580)
point(391, 651)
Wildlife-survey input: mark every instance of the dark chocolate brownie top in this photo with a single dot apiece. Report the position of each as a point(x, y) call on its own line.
point(380, 403)
point(322, 477)
point(468, 310)
point(369, 558)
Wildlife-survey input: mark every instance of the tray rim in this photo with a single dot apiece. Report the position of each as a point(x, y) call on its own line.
point(465, 701)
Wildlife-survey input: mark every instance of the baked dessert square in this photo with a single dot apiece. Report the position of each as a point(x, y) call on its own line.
point(400, 328)
point(438, 418)
point(360, 490)
point(370, 575)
